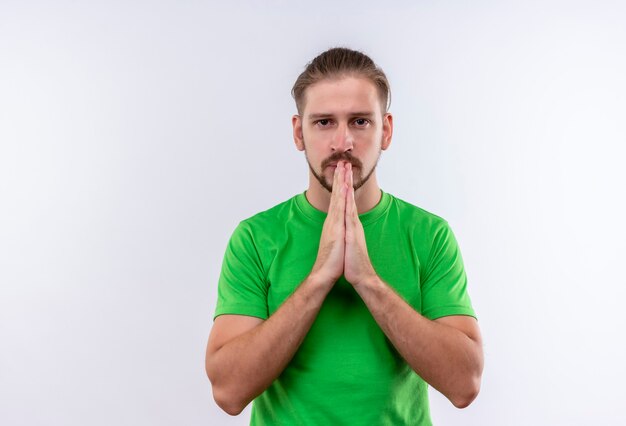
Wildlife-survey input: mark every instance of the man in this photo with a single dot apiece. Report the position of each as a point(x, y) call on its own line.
point(339, 305)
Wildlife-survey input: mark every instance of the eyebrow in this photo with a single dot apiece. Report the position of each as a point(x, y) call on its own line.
point(352, 114)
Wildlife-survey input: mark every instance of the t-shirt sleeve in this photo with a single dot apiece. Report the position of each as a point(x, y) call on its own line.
point(444, 284)
point(242, 288)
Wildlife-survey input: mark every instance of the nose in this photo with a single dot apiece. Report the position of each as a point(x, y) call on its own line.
point(343, 140)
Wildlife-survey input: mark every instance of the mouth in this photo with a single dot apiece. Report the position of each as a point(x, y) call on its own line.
point(334, 165)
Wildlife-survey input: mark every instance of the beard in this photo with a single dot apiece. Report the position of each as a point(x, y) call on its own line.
point(359, 178)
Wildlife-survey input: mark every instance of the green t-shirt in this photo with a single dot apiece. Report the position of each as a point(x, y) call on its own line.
point(346, 372)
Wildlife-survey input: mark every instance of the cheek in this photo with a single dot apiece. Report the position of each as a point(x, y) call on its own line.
point(370, 147)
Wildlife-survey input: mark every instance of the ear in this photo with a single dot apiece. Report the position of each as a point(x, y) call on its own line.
point(296, 122)
point(387, 130)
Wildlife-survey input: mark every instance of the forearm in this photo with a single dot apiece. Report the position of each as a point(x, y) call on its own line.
point(448, 359)
point(244, 367)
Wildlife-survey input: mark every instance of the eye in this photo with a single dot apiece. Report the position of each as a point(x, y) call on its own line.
point(324, 122)
point(361, 122)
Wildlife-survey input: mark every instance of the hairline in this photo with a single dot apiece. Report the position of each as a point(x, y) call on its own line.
point(338, 76)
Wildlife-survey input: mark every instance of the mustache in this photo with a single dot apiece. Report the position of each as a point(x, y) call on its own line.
point(342, 156)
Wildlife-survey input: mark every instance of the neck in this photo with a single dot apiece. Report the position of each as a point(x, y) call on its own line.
point(366, 197)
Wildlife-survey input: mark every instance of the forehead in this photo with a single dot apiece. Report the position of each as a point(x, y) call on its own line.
point(339, 95)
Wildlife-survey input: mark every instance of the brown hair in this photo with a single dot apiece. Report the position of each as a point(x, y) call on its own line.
point(340, 62)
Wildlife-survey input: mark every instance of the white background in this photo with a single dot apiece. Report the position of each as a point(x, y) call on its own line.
point(136, 135)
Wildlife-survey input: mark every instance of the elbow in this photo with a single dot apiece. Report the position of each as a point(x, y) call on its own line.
point(469, 386)
point(227, 403)
point(224, 399)
point(463, 401)
point(468, 395)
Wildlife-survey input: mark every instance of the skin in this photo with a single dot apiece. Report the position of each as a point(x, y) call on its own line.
point(246, 354)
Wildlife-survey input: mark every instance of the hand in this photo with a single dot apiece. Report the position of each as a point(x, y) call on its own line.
point(357, 266)
point(330, 256)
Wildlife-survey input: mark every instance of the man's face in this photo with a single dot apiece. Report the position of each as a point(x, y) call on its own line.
point(342, 120)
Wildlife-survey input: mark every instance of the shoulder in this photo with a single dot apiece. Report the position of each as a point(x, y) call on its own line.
point(415, 217)
point(268, 220)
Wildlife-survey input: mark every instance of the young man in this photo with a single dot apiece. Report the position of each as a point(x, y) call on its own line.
point(339, 305)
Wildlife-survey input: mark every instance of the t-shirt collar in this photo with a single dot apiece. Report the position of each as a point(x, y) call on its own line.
point(319, 216)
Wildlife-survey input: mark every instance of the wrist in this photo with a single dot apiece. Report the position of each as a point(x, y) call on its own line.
point(320, 280)
point(369, 280)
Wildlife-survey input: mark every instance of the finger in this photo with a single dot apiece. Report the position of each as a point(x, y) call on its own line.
point(337, 198)
point(336, 183)
point(350, 201)
point(341, 186)
point(349, 176)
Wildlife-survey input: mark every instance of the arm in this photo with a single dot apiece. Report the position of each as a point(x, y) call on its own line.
point(447, 352)
point(246, 354)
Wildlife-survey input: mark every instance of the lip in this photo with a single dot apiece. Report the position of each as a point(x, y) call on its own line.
point(334, 165)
